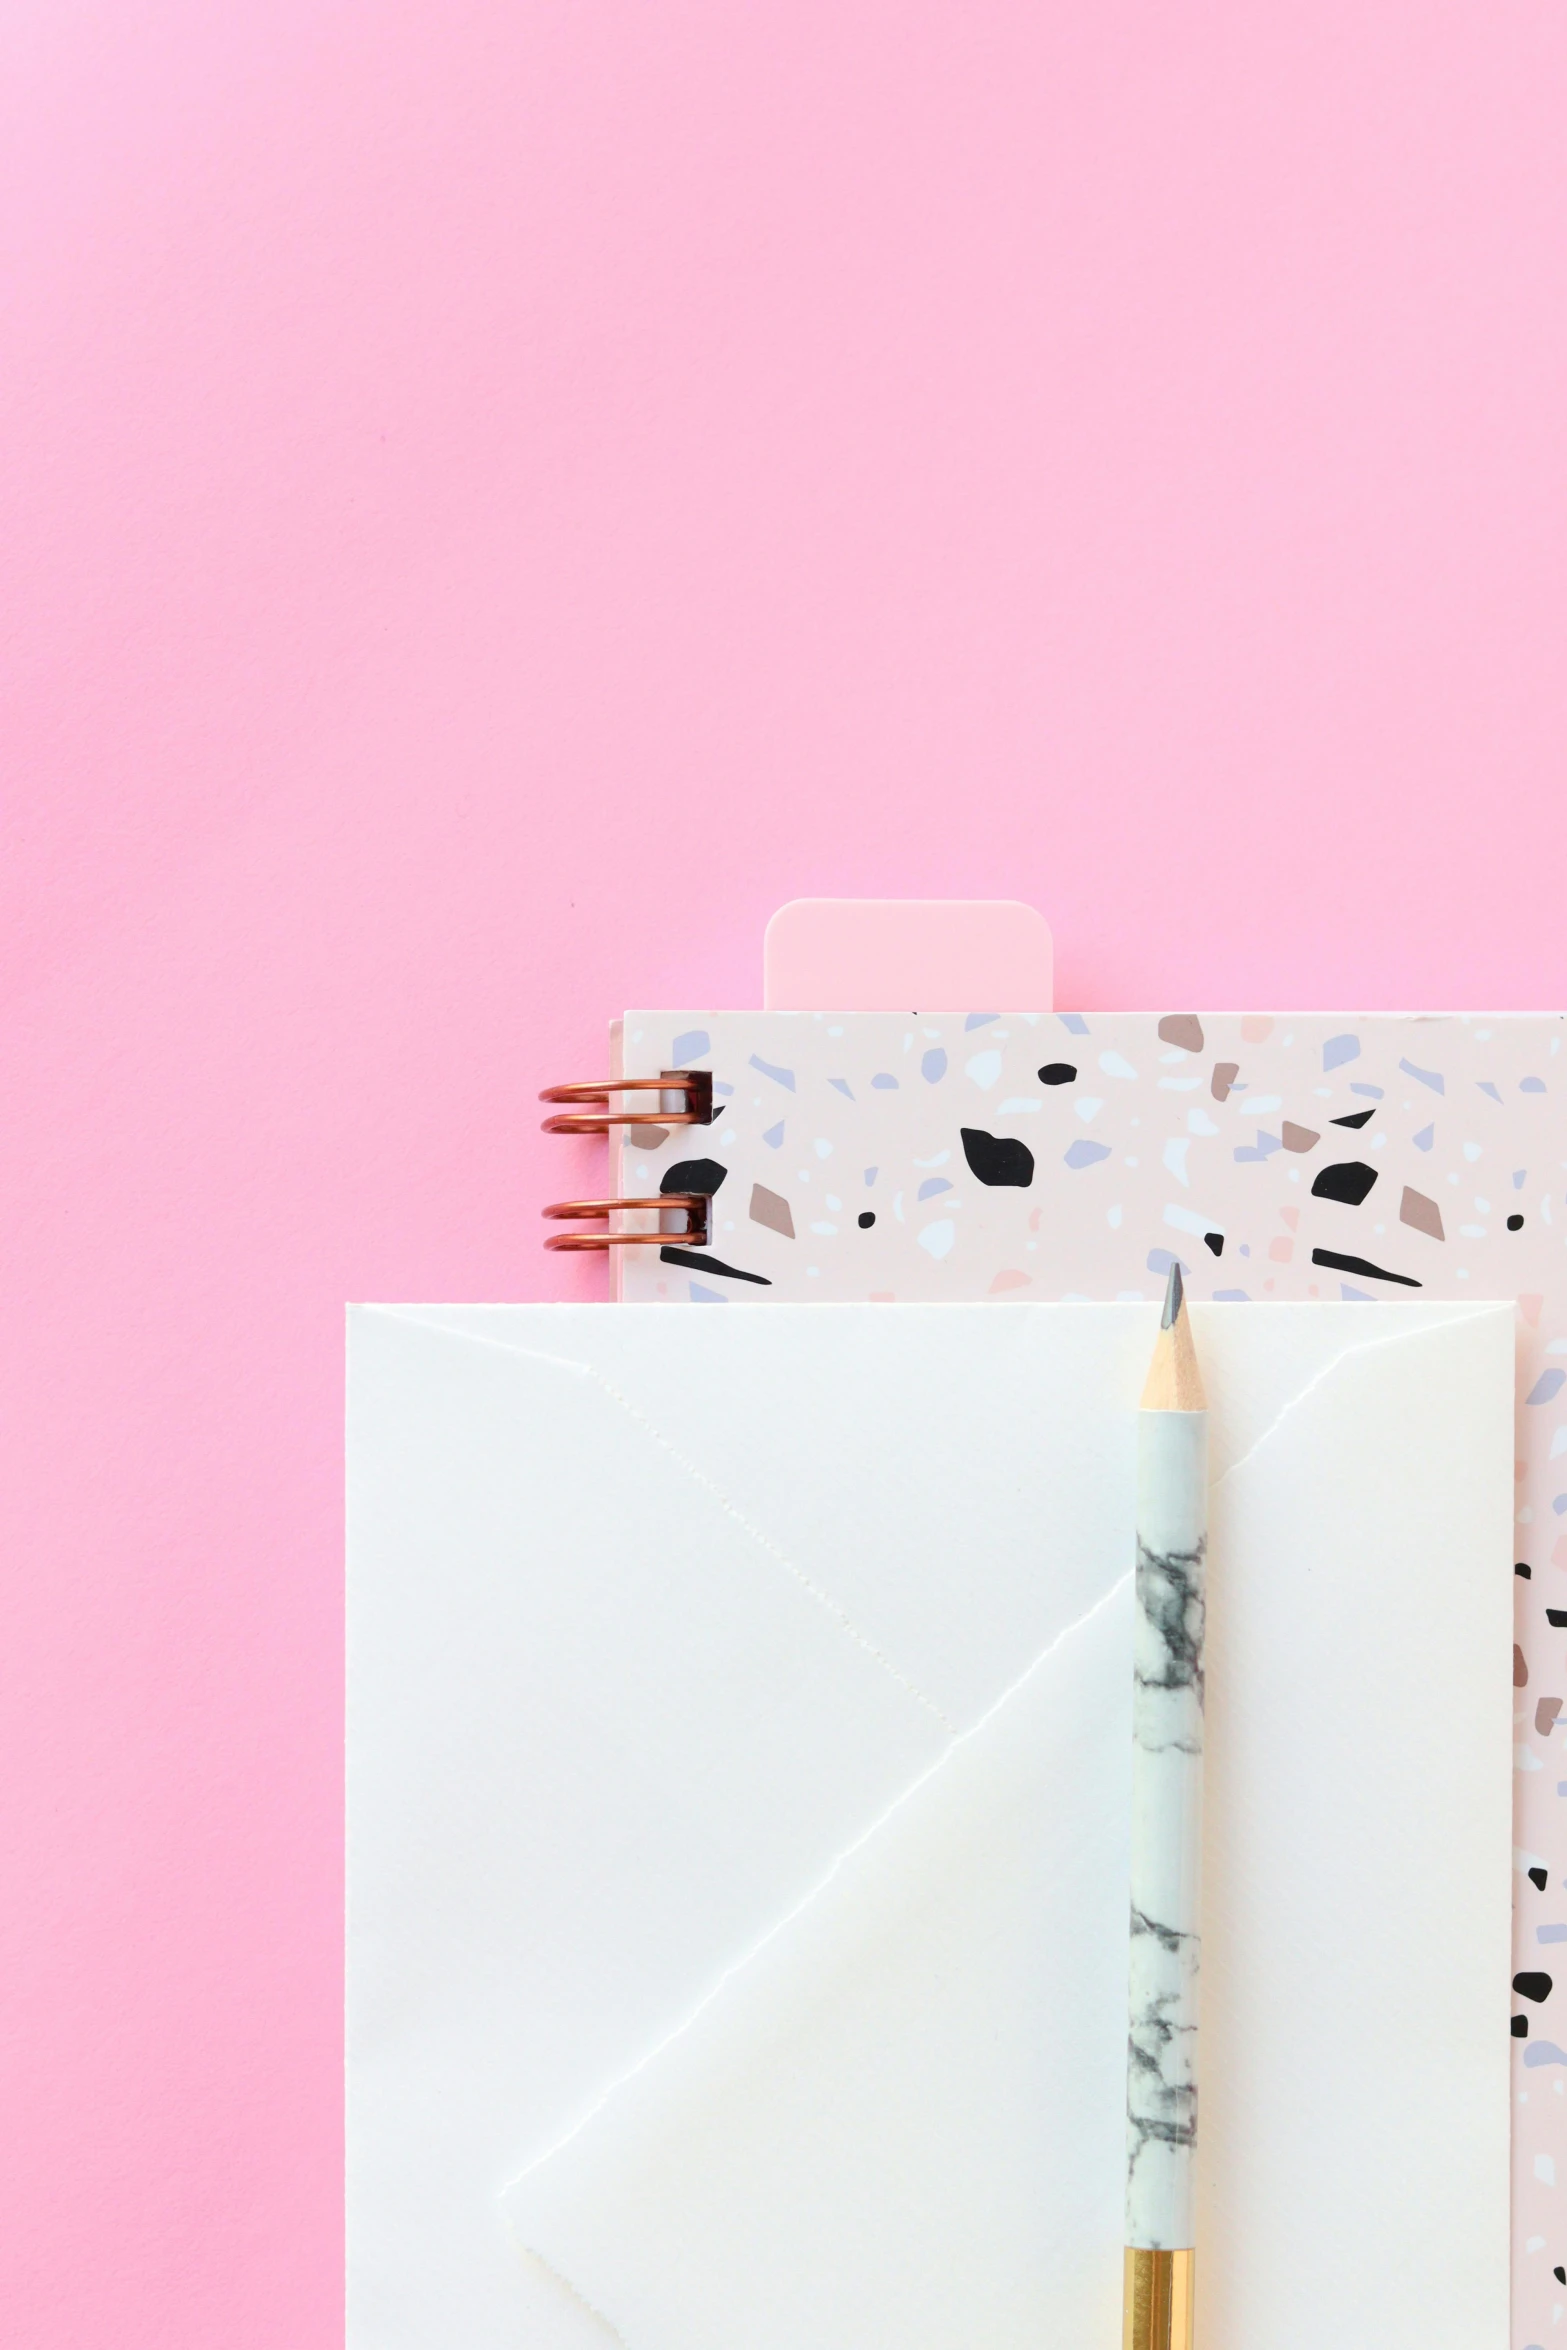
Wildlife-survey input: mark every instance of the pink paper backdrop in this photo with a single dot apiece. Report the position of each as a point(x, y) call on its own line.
point(498, 496)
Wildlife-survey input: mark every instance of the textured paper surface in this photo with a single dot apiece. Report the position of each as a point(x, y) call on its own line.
point(613, 1723)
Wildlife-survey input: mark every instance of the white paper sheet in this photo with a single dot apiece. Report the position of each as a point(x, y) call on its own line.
point(614, 1722)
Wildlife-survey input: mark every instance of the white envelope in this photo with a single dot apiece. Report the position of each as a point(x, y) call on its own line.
point(738, 1737)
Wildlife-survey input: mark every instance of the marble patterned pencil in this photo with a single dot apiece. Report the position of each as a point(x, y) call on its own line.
point(1167, 1730)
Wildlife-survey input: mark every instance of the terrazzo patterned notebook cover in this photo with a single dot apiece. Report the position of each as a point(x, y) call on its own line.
point(890, 1157)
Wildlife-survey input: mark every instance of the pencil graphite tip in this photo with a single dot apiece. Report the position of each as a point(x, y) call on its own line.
point(1174, 1380)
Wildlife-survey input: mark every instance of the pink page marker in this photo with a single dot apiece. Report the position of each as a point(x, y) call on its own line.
point(907, 955)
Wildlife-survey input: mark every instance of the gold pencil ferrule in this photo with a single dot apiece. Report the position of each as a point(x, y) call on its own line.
point(1158, 2291)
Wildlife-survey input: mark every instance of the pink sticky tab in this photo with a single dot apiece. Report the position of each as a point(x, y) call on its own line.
point(907, 955)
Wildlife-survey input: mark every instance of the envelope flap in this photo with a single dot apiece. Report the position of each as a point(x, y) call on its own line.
point(851, 2142)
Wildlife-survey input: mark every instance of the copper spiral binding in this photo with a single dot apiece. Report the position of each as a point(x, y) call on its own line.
point(695, 1085)
point(695, 1089)
point(693, 1204)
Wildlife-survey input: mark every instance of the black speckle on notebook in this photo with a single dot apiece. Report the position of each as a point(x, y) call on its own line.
point(1537, 1879)
point(1532, 1986)
point(1057, 1073)
point(1523, 1568)
point(1515, 1223)
point(1338, 1263)
point(998, 1159)
point(1215, 1241)
point(1356, 1118)
point(1560, 2274)
point(700, 1263)
point(703, 1175)
point(1558, 1617)
point(1520, 2027)
point(1349, 1181)
point(867, 1219)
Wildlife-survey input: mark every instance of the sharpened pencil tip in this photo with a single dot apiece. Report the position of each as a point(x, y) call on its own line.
point(1174, 1382)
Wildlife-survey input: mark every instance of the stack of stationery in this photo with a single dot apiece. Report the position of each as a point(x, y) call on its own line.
point(748, 1835)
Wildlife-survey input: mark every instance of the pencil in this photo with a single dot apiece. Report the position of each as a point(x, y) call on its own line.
point(1167, 1725)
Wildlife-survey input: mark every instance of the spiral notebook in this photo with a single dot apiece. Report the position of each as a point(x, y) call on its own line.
point(985, 1154)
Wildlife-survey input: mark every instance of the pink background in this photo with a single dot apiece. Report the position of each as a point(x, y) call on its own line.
point(497, 497)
